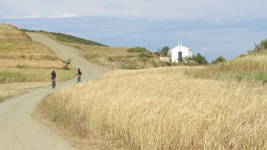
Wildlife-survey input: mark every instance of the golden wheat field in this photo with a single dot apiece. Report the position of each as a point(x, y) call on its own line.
point(163, 109)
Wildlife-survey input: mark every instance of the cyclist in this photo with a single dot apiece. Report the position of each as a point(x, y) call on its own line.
point(53, 77)
point(79, 75)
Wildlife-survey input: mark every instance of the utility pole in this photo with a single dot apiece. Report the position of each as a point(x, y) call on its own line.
point(3, 21)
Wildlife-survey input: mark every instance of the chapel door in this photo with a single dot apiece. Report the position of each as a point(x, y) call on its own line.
point(180, 56)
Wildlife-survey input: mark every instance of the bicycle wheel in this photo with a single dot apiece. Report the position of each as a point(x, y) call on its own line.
point(53, 84)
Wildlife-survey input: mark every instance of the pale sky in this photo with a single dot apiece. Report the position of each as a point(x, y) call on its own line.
point(211, 27)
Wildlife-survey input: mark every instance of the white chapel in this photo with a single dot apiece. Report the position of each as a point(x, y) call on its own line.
point(180, 51)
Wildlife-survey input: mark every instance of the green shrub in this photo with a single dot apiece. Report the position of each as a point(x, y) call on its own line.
point(145, 55)
point(110, 59)
point(73, 39)
point(218, 60)
point(67, 63)
point(137, 50)
point(168, 63)
point(68, 38)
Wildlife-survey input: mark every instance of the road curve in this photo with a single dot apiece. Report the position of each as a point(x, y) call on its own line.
point(19, 130)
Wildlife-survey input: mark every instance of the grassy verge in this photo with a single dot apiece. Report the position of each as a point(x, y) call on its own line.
point(25, 50)
point(5, 94)
point(11, 75)
point(172, 111)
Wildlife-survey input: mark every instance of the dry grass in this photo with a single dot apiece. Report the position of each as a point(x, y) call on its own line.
point(23, 85)
point(247, 63)
point(25, 47)
point(45, 64)
point(163, 109)
point(250, 67)
point(12, 75)
point(10, 33)
point(26, 50)
point(18, 50)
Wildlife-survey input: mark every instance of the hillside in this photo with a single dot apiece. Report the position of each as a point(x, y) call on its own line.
point(112, 57)
point(17, 50)
point(12, 34)
point(66, 38)
point(23, 61)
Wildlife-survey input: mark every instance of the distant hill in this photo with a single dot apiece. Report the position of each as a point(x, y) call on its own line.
point(113, 57)
point(67, 38)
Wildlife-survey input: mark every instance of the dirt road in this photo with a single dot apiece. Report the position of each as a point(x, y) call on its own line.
point(18, 129)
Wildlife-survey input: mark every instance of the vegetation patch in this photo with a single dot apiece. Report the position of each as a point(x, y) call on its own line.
point(137, 49)
point(66, 38)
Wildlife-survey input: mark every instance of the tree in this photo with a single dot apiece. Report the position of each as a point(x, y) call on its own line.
point(218, 60)
point(165, 50)
point(261, 47)
point(200, 59)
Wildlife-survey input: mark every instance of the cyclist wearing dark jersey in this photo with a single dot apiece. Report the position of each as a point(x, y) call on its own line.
point(53, 77)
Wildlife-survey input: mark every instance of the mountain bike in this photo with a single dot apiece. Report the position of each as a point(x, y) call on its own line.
point(79, 78)
point(53, 83)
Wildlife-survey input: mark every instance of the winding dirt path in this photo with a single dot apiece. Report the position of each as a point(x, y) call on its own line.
point(19, 130)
